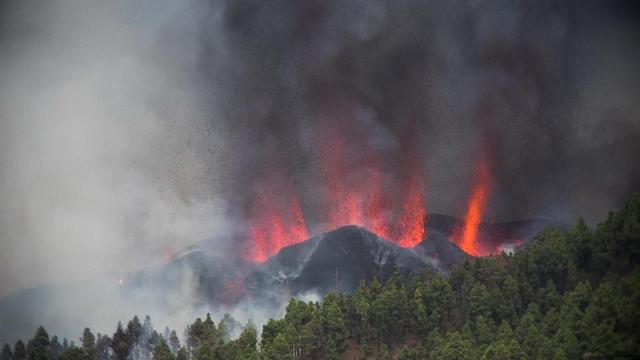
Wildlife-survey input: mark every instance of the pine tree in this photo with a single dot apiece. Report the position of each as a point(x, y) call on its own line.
point(504, 350)
point(200, 333)
point(270, 330)
point(529, 319)
point(162, 352)
point(361, 303)
point(532, 342)
point(559, 355)
point(504, 331)
point(174, 342)
point(311, 336)
point(568, 341)
point(6, 354)
point(496, 351)
point(454, 347)
point(364, 352)
point(154, 339)
point(550, 322)
point(438, 299)
point(88, 341)
point(134, 330)
point(227, 326)
point(278, 350)
point(545, 349)
point(408, 354)
point(103, 348)
point(384, 353)
point(484, 336)
point(247, 343)
point(467, 333)
point(39, 348)
point(205, 351)
point(548, 296)
point(56, 347)
point(210, 331)
point(182, 354)
point(120, 343)
point(515, 351)
point(72, 353)
point(19, 351)
point(422, 352)
point(420, 311)
point(479, 301)
point(335, 330)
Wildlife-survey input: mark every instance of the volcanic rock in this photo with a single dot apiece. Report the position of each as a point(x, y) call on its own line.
point(334, 261)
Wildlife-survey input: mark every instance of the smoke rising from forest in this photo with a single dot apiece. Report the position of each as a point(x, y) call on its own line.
point(132, 130)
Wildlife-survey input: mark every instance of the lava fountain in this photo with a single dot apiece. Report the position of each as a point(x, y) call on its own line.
point(361, 192)
point(381, 189)
point(468, 237)
point(277, 220)
point(411, 225)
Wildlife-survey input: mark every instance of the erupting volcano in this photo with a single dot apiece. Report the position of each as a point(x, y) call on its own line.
point(361, 189)
point(372, 196)
point(353, 180)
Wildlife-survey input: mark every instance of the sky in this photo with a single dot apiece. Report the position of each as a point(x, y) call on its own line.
point(129, 130)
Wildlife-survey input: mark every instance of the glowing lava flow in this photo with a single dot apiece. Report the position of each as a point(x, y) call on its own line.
point(366, 207)
point(360, 188)
point(344, 200)
point(468, 239)
point(277, 222)
point(375, 204)
point(362, 197)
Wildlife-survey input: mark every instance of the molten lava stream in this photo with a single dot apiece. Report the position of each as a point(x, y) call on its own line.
point(468, 239)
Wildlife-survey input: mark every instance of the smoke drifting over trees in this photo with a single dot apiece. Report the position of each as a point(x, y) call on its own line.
point(130, 130)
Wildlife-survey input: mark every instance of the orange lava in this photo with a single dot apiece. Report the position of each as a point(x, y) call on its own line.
point(277, 221)
point(344, 199)
point(359, 195)
point(468, 239)
point(411, 231)
point(359, 188)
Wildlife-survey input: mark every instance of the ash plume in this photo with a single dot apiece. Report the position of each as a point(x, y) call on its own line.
point(526, 73)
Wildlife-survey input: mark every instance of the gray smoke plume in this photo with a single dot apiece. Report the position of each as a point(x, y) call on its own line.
point(549, 85)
